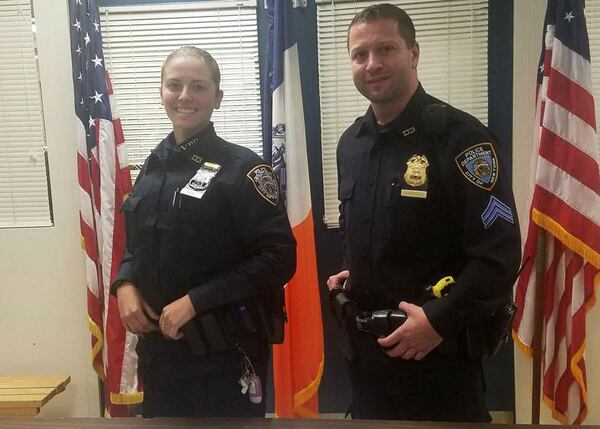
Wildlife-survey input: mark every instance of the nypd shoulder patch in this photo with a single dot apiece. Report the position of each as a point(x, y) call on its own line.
point(265, 183)
point(479, 165)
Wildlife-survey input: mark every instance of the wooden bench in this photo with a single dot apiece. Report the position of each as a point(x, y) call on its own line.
point(24, 395)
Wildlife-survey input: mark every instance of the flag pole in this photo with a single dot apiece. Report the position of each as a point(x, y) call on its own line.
point(538, 328)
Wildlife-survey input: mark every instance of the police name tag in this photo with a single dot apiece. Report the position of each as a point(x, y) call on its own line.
point(198, 184)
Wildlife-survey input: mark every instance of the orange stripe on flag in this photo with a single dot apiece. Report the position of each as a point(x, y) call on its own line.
point(298, 362)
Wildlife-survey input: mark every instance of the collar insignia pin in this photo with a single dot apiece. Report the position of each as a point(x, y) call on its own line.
point(408, 131)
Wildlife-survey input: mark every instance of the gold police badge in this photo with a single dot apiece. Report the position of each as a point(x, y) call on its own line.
point(416, 170)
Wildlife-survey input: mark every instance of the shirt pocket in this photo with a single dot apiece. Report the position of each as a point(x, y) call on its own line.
point(411, 218)
point(346, 191)
point(198, 227)
point(130, 209)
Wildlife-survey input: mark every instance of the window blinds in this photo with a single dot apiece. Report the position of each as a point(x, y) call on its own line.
point(453, 37)
point(24, 196)
point(137, 39)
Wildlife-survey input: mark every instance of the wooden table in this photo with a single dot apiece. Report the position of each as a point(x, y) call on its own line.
point(231, 423)
point(24, 395)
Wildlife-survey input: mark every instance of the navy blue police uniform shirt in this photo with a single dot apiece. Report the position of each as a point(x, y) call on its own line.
point(227, 240)
point(420, 201)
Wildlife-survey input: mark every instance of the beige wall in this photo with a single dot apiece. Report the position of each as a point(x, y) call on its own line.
point(43, 322)
point(528, 22)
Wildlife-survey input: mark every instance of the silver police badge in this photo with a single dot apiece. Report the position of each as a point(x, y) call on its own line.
point(198, 184)
point(264, 182)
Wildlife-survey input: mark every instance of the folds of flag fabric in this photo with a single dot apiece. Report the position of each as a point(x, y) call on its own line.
point(298, 362)
point(104, 181)
point(565, 203)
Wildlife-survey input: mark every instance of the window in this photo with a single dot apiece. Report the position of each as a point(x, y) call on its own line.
point(136, 41)
point(24, 186)
point(453, 38)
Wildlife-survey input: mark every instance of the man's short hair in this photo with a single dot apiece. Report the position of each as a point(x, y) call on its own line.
point(201, 54)
point(376, 12)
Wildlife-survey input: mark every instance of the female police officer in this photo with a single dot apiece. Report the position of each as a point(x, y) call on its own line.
point(208, 240)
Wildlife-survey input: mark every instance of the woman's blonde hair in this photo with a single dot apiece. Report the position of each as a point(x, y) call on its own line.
point(201, 54)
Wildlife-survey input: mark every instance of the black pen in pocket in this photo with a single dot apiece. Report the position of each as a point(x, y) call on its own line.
point(174, 197)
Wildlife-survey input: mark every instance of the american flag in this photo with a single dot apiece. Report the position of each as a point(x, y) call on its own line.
point(104, 181)
point(566, 205)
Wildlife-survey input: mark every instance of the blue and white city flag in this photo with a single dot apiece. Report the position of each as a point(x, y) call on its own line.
point(298, 362)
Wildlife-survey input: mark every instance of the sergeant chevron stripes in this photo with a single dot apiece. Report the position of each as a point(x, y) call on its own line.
point(494, 210)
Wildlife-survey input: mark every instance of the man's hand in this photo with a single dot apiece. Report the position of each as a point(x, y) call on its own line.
point(134, 311)
point(174, 316)
point(337, 281)
point(415, 338)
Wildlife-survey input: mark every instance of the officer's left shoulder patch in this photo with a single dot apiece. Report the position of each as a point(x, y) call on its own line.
point(479, 165)
point(265, 183)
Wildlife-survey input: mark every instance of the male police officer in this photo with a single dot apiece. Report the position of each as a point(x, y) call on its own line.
point(424, 194)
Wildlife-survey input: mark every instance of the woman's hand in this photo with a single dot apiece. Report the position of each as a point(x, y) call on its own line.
point(174, 316)
point(135, 313)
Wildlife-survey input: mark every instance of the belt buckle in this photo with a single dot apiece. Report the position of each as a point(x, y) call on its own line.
point(362, 321)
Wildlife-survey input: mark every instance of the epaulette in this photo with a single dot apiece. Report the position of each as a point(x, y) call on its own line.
point(434, 119)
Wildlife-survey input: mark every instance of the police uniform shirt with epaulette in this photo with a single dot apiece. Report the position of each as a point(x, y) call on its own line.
point(205, 218)
point(421, 198)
